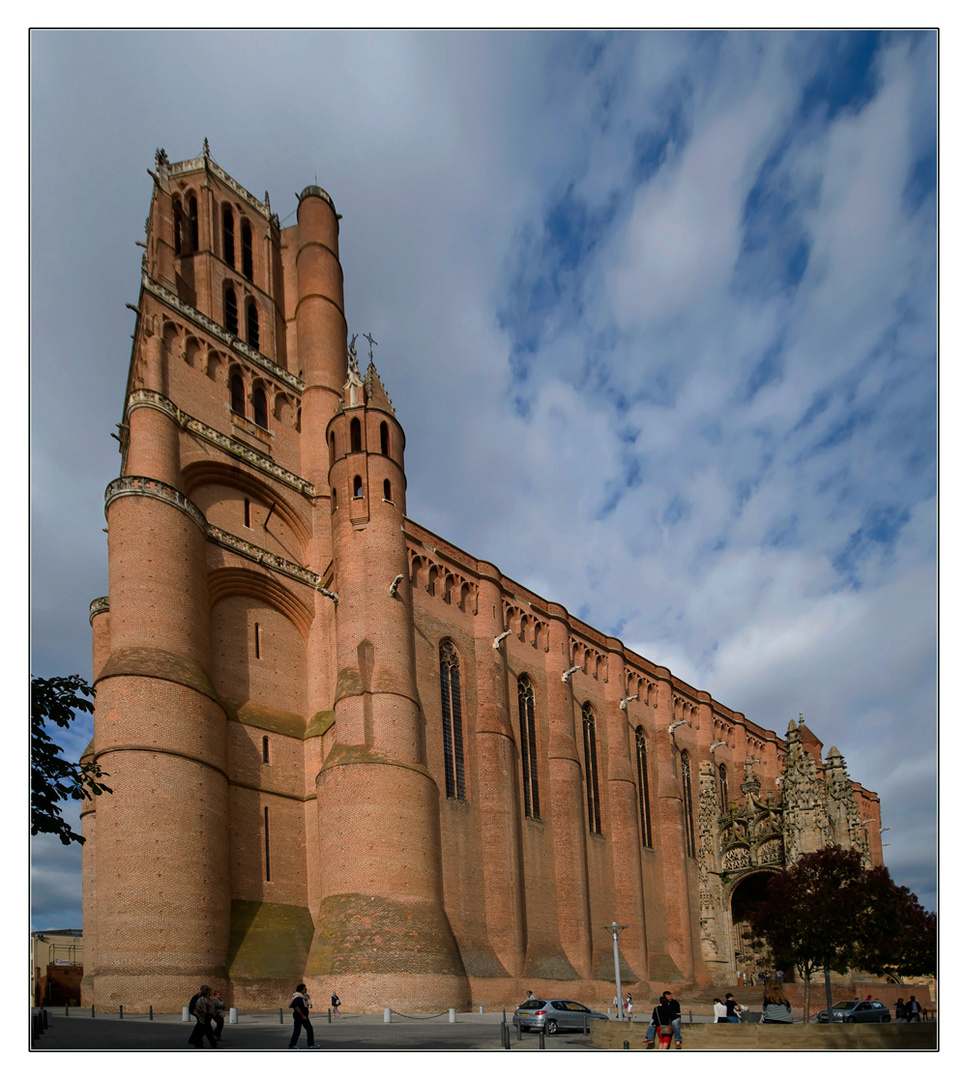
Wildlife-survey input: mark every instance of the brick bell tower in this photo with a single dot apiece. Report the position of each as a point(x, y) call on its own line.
point(382, 933)
point(272, 818)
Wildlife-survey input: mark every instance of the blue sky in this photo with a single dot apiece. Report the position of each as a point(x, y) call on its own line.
point(656, 310)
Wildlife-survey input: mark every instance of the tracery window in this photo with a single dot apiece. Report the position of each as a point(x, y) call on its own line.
point(452, 721)
point(687, 805)
point(528, 747)
point(591, 769)
point(644, 802)
point(723, 789)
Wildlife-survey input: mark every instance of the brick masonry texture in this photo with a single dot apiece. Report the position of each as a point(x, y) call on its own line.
point(295, 797)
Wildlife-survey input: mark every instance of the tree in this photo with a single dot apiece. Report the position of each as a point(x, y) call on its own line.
point(897, 936)
point(810, 915)
point(52, 778)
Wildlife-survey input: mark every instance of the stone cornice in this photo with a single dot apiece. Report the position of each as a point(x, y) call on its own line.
point(99, 606)
point(151, 399)
point(143, 485)
point(197, 163)
point(228, 340)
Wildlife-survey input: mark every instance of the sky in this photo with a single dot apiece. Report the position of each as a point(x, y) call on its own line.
point(657, 312)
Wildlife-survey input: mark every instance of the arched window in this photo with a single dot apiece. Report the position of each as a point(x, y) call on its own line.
point(176, 213)
point(357, 487)
point(452, 720)
point(723, 789)
point(384, 438)
point(528, 747)
point(387, 491)
point(591, 769)
point(238, 394)
point(260, 409)
point(252, 324)
point(231, 311)
point(687, 805)
point(644, 803)
point(247, 250)
point(355, 436)
point(228, 235)
point(193, 221)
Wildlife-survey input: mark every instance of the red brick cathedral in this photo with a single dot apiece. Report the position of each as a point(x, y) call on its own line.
point(342, 750)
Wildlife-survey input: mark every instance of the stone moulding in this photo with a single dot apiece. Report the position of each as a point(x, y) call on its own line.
point(99, 606)
point(151, 399)
point(172, 300)
point(155, 489)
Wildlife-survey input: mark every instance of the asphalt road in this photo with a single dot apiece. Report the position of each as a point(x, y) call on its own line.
point(263, 1032)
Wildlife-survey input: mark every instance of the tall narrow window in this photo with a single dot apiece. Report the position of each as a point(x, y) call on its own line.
point(357, 487)
point(591, 769)
point(231, 310)
point(260, 409)
point(355, 435)
point(452, 721)
point(258, 642)
point(193, 221)
point(644, 803)
point(384, 438)
point(723, 789)
point(687, 805)
point(228, 235)
point(268, 868)
point(238, 394)
point(247, 516)
point(247, 250)
point(332, 447)
point(528, 747)
point(387, 491)
point(177, 215)
point(265, 749)
point(252, 324)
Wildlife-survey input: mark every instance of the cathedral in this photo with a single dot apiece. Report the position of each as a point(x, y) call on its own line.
point(341, 749)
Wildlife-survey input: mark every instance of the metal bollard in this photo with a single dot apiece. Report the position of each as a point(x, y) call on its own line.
point(520, 1030)
point(328, 1016)
point(185, 1015)
point(452, 1015)
point(387, 1016)
point(92, 1012)
point(233, 1015)
point(120, 1012)
point(150, 1012)
point(540, 1038)
point(67, 1011)
point(281, 1021)
point(480, 1009)
point(689, 1015)
point(504, 1035)
point(43, 1013)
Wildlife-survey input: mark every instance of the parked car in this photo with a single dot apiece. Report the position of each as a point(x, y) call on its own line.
point(552, 1016)
point(856, 1012)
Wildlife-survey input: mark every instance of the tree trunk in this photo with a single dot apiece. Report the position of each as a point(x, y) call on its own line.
point(829, 995)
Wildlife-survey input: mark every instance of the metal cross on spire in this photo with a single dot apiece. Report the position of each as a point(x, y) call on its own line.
point(372, 341)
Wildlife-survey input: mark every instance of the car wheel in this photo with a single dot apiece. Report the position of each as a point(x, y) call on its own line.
point(551, 1027)
point(848, 1020)
point(884, 1020)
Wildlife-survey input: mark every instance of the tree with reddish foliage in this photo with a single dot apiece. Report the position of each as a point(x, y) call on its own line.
point(827, 912)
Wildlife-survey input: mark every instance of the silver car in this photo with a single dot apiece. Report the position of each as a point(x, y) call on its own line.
point(856, 1012)
point(538, 1014)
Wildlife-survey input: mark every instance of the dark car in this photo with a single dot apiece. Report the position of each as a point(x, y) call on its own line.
point(856, 1012)
point(551, 1016)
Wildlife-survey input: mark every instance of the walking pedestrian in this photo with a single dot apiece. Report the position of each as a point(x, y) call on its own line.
point(913, 1010)
point(335, 1003)
point(202, 1011)
point(300, 1006)
point(218, 1015)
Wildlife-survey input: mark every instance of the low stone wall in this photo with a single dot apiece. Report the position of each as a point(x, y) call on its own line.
point(610, 1034)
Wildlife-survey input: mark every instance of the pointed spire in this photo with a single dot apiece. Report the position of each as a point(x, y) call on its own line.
point(375, 393)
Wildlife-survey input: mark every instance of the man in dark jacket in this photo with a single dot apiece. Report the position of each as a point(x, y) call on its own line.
point(666, 1012)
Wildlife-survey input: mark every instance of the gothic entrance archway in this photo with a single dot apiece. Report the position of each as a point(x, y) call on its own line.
point(749, 890)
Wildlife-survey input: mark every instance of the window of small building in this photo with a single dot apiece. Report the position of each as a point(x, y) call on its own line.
point(528, 747)
point(452, 721)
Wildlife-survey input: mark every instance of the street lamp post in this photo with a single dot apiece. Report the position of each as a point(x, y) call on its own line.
point(614, 929)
